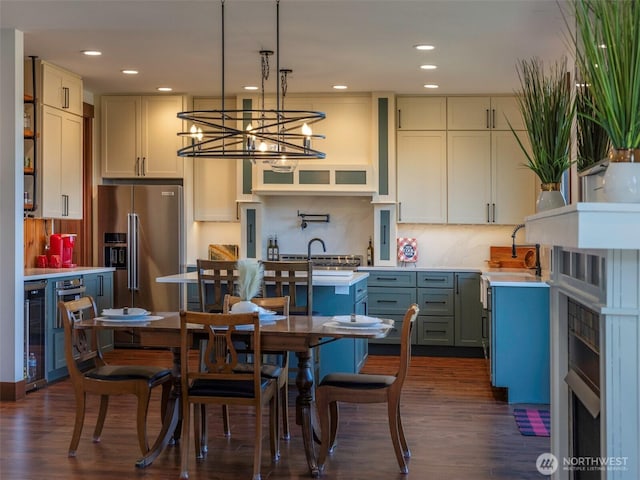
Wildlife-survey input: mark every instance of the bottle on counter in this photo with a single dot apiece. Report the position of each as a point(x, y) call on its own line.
point(370, 254)
point(270, 249)
point(32, 366)
point(276, 250)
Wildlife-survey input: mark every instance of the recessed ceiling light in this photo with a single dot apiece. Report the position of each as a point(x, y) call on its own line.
point(424, 47)
point(431, 85)
point(165, 89)
point(428, 67)
point(340, 87)
point(92, 53)
point(129, 71)
point(251, 87)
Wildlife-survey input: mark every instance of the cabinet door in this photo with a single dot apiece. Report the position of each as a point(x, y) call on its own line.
point(120, 152)
point(61, 164)
point(160, 141)
point(514, 184)
point(468, 310)
point(468, 113)
point(100, 287)
point(214, 204)
point(422, 177)
point(61, 89)
point(469, 177)
point(422, 113)
point(505, 110)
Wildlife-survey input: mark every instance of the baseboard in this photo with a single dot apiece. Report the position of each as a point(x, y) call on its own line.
point(12, 392)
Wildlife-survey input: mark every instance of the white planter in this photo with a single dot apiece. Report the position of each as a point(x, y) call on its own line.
point(549, 199)
point(244, 306)
point(621, 182)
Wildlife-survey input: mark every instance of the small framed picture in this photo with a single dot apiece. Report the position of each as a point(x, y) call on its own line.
point(407, 250)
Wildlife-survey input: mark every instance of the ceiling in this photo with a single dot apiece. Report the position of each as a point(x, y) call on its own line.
point(364, 44)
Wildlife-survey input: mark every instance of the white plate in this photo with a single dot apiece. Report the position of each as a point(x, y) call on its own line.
point(270, 317)
point(139, 320)
point(343, 326)
point(360, 321)
point(118, 313)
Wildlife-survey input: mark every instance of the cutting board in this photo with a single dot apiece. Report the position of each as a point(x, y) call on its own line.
point(223, 252)
point(526, 257)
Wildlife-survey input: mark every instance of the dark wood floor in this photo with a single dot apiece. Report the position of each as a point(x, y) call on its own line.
point(455, 427)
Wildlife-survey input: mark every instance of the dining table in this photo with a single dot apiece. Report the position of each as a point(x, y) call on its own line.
point(296, 333)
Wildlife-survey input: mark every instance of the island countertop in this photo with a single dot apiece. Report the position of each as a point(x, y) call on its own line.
point(317, 281)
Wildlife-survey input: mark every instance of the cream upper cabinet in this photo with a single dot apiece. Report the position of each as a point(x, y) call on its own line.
point(421, 113)
point(61, 89)
point(214, 179)
point(139, 136)
point(61, 165)
point(422, 176)
point(488, 182)
point(483, 113)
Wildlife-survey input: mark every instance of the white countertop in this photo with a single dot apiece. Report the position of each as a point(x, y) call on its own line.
point(318, 280)
point(418, 269)
point(45, 273)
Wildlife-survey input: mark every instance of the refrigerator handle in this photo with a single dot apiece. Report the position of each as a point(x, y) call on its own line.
point(27, 313)
point(134, 250)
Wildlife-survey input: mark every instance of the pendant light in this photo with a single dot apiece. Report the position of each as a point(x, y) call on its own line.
point(277, 136)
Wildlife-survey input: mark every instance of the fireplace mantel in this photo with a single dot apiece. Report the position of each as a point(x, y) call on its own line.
point(596, 262)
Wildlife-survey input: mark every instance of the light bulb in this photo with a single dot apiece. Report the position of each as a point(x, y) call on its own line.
point(193, 131)
point(263, 147)
point(306, 130)
point(199, 134)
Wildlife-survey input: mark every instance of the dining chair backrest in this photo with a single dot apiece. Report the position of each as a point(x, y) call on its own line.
point(292, 279)
point(81, 346)
point(216, 278)
point(408, 323)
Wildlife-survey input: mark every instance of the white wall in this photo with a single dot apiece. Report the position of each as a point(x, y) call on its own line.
point(11, 199)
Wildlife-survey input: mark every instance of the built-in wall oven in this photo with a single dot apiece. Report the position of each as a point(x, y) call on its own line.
point(34, 334)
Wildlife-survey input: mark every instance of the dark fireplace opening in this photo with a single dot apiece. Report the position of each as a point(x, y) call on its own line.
point(585, 441)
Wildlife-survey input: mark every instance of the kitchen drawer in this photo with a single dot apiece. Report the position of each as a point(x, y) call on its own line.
point(435, 279)
point(361, 290)
point(392, 279)
point(389, 301)
point(436, 301)
point(435, 330)
point(394, 333)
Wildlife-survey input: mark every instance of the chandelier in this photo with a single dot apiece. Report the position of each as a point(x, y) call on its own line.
point(277, 136)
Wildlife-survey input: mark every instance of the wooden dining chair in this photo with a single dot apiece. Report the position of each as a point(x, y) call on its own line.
point(89, 373)
point(292, 279)
point(220, 382)
point(367, 388)
point(216, 278)
point(274, 365)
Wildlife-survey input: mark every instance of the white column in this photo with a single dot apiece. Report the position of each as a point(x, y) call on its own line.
point(11, 200)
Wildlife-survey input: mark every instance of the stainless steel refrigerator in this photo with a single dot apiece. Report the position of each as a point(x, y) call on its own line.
point(140, 231)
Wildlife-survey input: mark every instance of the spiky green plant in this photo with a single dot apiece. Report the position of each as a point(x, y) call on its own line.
point(592, 139)
point(250, 273)
point(548, 109)
point(608, 56)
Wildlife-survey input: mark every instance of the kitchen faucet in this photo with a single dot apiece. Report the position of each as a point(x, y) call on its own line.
point(324, 249)
point(513, 238)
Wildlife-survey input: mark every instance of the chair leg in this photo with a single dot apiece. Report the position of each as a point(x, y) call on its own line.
point(102, 414)
point(392, 408)
point(225, 421)
point(77, 428)
point(257, 449)
point(284, 409)
point(335, 420)
point(199, 418)
point(141, 421)
point(184, 462)
point(274, 428)
point(323, 416)
point(403, 441)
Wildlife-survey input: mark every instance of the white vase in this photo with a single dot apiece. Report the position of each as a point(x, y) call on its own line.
point(244, 306)
point(550, 197)
point(621, 182)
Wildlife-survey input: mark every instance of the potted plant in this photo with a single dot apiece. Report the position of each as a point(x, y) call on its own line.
point(608, 56)
point(250, 274)
point(548, 109)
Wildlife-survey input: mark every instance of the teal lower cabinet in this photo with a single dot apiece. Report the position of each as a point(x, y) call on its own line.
point(193, 296)
point(434, 330)
point(520, 342)
point(390, 294)
point(469, 331)
point(436, 302)
point(100, 287)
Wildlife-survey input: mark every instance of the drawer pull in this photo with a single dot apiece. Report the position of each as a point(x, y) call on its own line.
point(387, 301)
point(443, 332)
point(442, 279)
point(439, 303)
point(392, 279)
